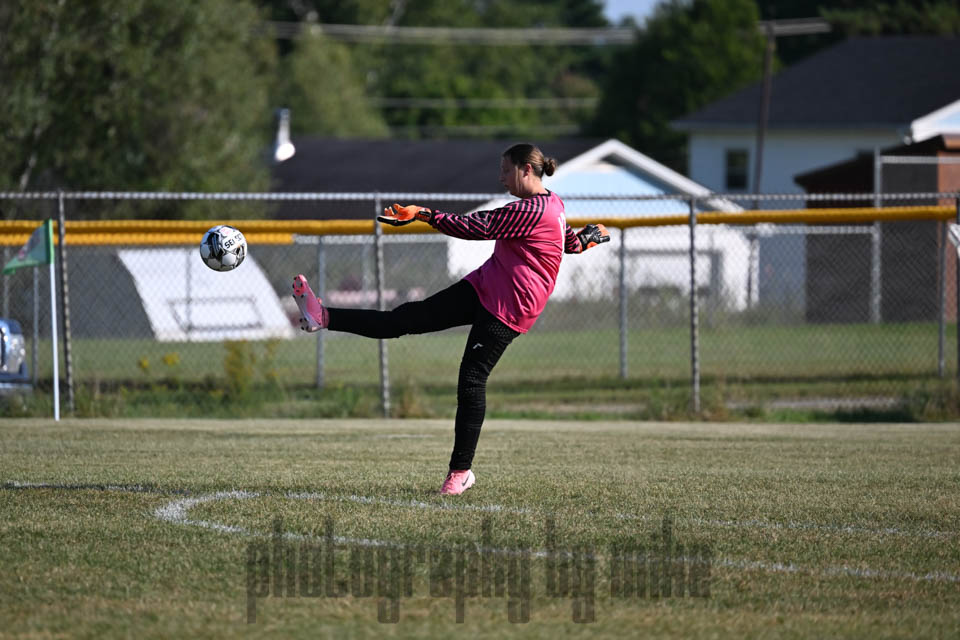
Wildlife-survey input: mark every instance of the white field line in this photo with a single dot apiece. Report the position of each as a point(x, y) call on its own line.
point(177, 512)
point(496, 508)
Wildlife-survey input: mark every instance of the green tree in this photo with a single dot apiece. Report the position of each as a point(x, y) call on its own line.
point(449, 72)
point(894, 18)
point(859, 18)
point(460, 70)
point(324, 93)
point(687, 54)
point(134, 94)
point(333, 11)
point(872, 17)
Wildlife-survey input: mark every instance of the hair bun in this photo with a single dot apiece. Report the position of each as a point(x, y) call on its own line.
point(549, 166)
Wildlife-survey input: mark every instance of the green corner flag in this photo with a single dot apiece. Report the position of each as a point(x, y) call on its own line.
point(38, 250)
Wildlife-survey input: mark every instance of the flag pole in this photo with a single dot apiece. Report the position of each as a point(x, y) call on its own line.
point(37, 251)
point(53, 328)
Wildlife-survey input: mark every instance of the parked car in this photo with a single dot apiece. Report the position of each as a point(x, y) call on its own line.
point(13, 363)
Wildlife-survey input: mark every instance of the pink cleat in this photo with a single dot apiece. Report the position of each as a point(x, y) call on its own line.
point(457, 482)
point(314, 315)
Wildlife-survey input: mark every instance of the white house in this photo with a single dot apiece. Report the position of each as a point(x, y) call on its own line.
point(656, 256)
point(854, 97)
point(857, 96)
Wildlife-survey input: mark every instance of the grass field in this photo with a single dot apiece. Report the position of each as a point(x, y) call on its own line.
point(804, 351)
point(144, 528)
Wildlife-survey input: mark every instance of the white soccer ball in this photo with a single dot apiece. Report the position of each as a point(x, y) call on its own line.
point(223, 248)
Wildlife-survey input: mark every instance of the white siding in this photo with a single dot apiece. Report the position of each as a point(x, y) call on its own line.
point(785, 154)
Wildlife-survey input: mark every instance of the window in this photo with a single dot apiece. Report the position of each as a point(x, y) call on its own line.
point(736, 169)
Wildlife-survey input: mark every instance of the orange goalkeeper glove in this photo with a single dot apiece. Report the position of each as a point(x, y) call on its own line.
point(592, 235)
point(399, 216)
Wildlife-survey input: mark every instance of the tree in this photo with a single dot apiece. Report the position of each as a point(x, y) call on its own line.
point(448, 72)
point(859, 18)
point(457, 71)
point(134, 94)
point(688, 54)
point(325, 95)
point(940, 18)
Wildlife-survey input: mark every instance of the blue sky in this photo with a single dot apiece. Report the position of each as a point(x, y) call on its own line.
point(639, 9)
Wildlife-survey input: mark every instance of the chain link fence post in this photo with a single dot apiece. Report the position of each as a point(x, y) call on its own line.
point(188, 302)
point(623, 304)
point(322, 292)
point(35, 344)
point(65, 298)
point(6, 285)
point(942, 295)
point(694, 313)
point(381, 305)
point(875, 239)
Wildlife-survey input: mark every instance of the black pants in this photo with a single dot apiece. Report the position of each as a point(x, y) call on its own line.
point(455, 306)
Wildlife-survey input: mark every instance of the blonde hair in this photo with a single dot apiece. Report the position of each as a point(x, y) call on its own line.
point(525, 153)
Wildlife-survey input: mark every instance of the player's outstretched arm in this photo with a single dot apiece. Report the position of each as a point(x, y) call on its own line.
point(399, 216)
point(588, 237)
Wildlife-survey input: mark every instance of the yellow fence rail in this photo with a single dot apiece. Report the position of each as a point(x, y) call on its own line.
point(281, 232)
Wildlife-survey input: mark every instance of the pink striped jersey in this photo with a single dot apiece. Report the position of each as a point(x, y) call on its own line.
point(531, 236)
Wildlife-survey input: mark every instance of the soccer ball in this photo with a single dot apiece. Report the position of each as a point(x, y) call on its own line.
point(223, 248)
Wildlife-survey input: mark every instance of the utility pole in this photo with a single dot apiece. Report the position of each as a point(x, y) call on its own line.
point(772, 29)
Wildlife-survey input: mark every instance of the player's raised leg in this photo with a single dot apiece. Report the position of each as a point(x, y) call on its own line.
point(313, 315)
point(451, 307)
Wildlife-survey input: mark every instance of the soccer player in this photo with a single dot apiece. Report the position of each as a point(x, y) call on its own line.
point(499, 300)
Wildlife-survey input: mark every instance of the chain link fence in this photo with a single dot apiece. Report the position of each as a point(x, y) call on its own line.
point(839, 312)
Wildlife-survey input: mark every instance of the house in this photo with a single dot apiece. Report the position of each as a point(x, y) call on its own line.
point(408, 166)
point(839, 268)
point(859, 95)
point(658, 258)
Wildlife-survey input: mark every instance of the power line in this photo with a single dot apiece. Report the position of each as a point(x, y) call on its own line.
point(794, 27)
point(495, 36)
point(487, 130)
point(446, 35)
point(483, 103)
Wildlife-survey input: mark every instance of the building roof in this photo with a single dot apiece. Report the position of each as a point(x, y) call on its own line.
point(613, 168)
point(587, 167)
point(426, 166)
point(861, 82)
